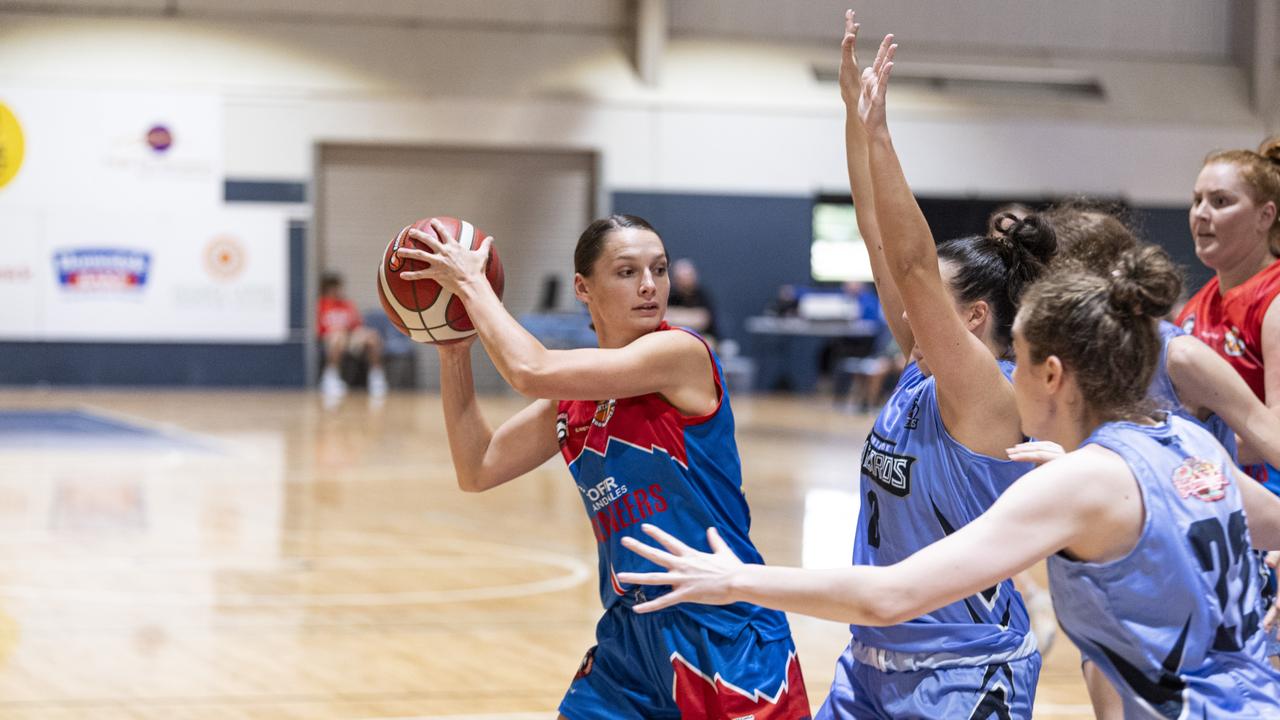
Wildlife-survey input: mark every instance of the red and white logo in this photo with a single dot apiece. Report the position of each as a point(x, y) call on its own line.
point(604, 412)
point(1232, 343)
point(1200, 479)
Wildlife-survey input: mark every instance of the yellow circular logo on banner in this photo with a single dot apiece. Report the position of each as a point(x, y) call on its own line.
point(10, 145)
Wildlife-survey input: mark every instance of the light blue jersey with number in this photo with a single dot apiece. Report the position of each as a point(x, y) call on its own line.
point(918, 485)
point(1174, 623)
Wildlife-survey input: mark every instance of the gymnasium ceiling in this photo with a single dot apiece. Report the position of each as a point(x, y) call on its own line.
point(1150, 30)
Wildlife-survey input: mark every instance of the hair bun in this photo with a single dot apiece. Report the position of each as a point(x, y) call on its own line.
point(1270, 148)
point(1034, 235)
point(1144, 283)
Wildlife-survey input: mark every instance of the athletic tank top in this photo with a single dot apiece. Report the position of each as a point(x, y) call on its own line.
point(639, 460)
point(1174, 623)
point(1165, 395)
point(1231, 324)
point(917, 486)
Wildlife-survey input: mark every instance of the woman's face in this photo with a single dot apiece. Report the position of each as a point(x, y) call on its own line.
point(628, 287)
point(1226, 224)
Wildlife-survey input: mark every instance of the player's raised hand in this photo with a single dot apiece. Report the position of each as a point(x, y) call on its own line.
point(1038, 452)
point(850, 74)
point(450, 264)
point(875, 83)
point(694, 576)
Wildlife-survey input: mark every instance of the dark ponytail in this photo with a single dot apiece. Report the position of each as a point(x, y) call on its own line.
point(999, 266)
point(591, 241)
point(1102, 326)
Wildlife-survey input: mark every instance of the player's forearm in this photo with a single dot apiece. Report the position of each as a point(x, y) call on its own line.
point(1261, 511)
point(908, 243)
point(864, 209)
point(469, 434)
point(1260, 437)
point(515, 352)
point(856, 595)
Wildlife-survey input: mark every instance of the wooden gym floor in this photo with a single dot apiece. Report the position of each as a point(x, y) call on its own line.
point(251, 555)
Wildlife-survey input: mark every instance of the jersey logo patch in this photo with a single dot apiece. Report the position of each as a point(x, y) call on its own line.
point(1200, 479)
point(1232, 343)
point(604, 412)
point(889, 470)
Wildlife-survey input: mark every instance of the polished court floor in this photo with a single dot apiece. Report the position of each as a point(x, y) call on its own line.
point(253, 555)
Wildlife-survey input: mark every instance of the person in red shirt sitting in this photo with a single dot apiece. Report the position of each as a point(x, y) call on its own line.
point(339, 327)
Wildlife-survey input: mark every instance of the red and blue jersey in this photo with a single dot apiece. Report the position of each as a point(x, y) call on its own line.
point(639, 460)
point(1231, 324)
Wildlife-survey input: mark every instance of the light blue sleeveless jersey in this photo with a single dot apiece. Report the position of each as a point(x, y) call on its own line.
point(917, 486)
point(1175, 623)
point(1165, 395)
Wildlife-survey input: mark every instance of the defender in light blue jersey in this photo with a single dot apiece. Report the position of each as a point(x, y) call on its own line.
point(1190, 380)
point(936, 458)
point(1146, 521)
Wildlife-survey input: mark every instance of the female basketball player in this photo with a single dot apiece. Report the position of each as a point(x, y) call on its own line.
point(1190, 380)
point(935, 459)
point(1146, 524)
point(645, 425)
point(1237, 234)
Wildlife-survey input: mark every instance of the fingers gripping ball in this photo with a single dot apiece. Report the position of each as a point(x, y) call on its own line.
point(423, 309)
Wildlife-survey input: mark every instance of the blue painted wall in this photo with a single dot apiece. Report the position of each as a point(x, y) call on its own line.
point(744, 246)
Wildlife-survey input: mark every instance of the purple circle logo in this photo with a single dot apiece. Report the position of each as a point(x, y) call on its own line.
point(159, 138)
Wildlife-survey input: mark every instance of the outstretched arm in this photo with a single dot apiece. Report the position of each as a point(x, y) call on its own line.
point(1048, 510)
point(975, 399)
point(484, 459)
point(675, 364)
point(864, 203)
point(1261, 511)
point(1205, 381)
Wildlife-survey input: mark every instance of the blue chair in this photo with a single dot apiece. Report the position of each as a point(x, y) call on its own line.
point(399, 353)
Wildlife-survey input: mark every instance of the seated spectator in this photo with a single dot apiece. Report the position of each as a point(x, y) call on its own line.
point(688, 305)
point(341, 331)
point(785, 304)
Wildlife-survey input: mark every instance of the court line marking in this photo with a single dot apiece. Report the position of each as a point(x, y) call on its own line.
point(576, 572)
point(172, 431)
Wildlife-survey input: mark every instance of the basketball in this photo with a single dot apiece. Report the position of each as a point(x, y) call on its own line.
point(423, 309)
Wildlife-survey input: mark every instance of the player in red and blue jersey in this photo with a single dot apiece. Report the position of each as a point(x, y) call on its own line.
point(645, 425)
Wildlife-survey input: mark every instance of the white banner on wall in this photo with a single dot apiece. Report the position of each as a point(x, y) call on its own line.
point(218, 276)
point(149, 152)
point(113, 228)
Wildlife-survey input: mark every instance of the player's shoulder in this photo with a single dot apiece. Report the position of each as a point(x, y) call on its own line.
point(1090, 477)
point(674, 340)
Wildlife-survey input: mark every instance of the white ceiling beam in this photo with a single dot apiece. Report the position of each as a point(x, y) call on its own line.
point(1254, 27)
point(1265, 52)
point(651, 24)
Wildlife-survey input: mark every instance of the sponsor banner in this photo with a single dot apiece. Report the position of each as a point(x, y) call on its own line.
point(153, 152)
point(114, 277)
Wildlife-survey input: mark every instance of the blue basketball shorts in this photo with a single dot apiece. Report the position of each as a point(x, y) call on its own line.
point(666, 665)
point(1000, 691)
